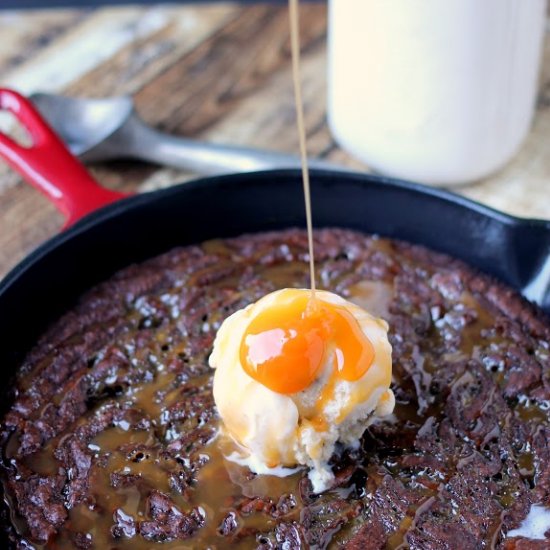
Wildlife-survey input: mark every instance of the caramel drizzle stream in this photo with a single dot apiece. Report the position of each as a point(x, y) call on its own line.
point(295, 48)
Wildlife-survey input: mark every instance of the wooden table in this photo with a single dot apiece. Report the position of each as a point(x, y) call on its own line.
point(218, 72)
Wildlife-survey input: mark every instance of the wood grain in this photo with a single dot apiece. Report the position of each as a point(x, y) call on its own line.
point(219, 72)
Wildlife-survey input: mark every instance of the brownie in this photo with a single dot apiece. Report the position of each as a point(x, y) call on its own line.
point(111, 438)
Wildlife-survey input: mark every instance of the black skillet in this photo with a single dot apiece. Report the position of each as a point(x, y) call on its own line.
point(115, 231)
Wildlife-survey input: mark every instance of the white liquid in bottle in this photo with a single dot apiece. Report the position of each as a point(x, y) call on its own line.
point(439, 91)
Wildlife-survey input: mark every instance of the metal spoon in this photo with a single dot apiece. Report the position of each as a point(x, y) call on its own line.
point(105, 129)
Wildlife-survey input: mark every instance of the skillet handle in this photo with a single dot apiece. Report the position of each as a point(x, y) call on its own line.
point(48, 165)
point(532, 243)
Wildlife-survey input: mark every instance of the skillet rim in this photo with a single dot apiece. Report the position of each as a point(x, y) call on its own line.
point(117, 208)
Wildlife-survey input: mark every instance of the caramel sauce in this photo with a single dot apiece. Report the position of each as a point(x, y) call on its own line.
point(222, 483)
point(295, 48)
point(154, 398)
point(285, 347)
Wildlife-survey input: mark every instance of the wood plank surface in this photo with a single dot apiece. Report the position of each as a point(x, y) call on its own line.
point(219, 72)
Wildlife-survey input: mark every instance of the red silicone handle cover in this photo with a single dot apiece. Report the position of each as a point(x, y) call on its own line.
point(48, 165)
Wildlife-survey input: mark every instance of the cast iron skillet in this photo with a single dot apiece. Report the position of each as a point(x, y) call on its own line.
point(120, 232)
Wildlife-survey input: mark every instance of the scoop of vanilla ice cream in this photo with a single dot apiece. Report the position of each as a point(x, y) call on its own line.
point(279, 429)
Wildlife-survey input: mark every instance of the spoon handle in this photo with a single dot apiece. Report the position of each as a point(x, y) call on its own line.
point(142, 142)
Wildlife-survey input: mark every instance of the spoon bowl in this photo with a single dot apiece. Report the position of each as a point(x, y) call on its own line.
point(84, 124)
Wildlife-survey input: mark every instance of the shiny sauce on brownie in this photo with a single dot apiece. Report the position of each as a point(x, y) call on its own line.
point(109, 441)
